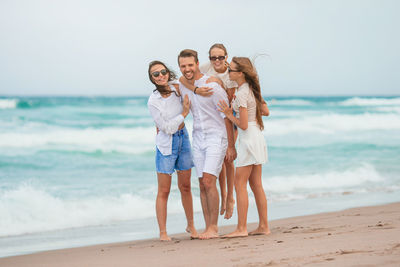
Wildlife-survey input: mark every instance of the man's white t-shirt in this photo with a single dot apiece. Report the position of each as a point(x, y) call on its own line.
point(207, 119)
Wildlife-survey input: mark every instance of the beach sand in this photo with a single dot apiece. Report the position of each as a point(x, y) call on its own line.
point(366, 236)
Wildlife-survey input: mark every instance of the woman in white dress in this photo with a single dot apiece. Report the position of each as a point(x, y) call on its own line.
point(252, 150)
point(173, 150)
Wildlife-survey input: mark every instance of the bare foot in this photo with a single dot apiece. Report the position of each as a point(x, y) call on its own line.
point(236, 233)
point(223, 206)
point(229, 208)
point(164, 236)
point(260, 231)
point(208, 234)
point(192, 231)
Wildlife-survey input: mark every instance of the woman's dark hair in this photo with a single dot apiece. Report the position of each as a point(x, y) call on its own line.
point(164, 90)
point(245, 66)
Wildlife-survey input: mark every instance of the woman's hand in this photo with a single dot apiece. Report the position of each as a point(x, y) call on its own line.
point(224, 108)
point(264, 109)
point(185, 106)
point(204, 91)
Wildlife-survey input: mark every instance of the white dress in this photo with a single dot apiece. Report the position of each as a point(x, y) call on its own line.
point(251, 148)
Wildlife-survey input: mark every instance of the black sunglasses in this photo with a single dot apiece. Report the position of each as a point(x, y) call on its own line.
point(231, 70)
point(157, 73)
point(220, 58)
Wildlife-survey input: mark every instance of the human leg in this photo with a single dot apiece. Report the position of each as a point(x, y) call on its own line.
point(261, 201)
point(230, 178)
point(203, 200)
point(241, 178)
point(222, 188)
point(212, 203)
point(164, 185)
point(184, 185)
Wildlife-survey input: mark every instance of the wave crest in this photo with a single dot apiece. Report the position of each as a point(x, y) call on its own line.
point(27, 209)
point(8, 103)
point(358, 101)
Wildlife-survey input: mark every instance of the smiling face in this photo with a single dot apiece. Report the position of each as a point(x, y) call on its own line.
point(188, 67)
point(218, 59)
point(158, 70)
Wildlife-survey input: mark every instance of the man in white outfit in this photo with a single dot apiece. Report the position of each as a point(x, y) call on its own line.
point(212, 137)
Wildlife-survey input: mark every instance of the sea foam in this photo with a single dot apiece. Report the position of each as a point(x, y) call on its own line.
point(124, 140)
point(332, 123)
point(8, 103)
point(29, 209)
point(323, 181)
point(359, 101)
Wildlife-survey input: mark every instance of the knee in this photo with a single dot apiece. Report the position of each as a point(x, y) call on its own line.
point(207, 184)
point(184, 188)
point(163, 192)
point(228, 164)
point(255, 186)
point(240, 184)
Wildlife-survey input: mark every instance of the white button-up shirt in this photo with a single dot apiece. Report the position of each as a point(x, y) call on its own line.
point(207, 119)
point(166, 113)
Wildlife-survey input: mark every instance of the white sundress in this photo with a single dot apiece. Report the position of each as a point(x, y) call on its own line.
point(251, 147)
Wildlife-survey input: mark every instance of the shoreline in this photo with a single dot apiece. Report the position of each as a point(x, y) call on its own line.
point(356, 236)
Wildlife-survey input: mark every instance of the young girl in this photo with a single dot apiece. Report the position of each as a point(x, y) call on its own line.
point(252, 151)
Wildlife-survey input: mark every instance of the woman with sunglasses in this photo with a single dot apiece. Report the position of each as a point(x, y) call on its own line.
point(172, 144)
point(252, 150)
point(217, 67)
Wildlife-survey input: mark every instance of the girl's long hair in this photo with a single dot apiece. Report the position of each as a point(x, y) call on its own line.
point(164, 90)
point(245, 66)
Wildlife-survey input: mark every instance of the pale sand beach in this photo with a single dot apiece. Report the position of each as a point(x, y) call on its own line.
point(366, 236)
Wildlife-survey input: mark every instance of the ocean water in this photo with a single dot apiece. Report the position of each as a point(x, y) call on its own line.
point(76, 171)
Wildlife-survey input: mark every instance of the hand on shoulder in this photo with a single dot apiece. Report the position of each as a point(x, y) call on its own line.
point(216, 80)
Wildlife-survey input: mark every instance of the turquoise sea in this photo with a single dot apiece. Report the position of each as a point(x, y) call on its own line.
point(76, 171)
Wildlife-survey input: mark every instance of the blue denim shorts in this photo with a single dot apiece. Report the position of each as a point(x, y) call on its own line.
point(181, 158)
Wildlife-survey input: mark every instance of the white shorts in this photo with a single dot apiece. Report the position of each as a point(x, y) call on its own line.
point(209, 153)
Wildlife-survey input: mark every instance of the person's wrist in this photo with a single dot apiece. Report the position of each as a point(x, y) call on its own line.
point(194, 91)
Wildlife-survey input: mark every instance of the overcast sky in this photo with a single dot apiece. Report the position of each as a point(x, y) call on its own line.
point(95, 47)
